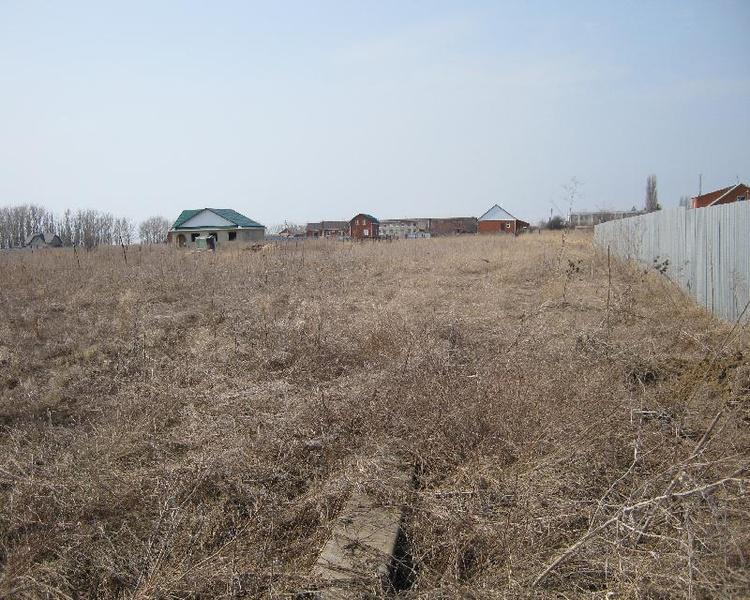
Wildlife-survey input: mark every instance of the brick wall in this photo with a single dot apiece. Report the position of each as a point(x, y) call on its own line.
point(362, 228)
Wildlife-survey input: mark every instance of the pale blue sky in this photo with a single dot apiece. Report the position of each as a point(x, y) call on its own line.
point(307, 110)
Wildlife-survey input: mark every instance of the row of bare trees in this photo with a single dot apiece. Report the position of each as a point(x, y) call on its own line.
point(18, 222)
point(153, 230)
point(82, 228)
point(90, 228)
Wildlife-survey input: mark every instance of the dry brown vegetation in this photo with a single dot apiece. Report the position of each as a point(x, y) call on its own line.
point(189, 424)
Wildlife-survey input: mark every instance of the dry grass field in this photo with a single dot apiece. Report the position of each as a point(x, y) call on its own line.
point(188, 425)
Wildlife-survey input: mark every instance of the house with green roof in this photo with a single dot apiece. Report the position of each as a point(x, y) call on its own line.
point(225, 225)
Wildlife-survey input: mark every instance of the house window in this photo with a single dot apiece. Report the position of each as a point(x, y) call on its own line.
point(507, 226)
point(194, 236)
point(232, 236)
point(367, 232)
point(741, 198)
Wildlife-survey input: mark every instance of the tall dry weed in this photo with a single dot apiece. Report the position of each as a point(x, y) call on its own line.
point(189, 424)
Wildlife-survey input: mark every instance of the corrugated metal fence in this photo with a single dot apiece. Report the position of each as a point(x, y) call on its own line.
point(708, 250)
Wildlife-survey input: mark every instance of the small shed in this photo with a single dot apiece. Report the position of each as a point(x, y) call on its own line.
point(499, 220)
point(364, 227)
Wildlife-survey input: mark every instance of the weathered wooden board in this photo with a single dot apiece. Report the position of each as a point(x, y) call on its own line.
point(359, 554)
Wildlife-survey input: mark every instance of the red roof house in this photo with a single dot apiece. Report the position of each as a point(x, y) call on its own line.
point(733, 193)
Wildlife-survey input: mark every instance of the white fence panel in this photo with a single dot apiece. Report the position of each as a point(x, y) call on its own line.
point(708, 250)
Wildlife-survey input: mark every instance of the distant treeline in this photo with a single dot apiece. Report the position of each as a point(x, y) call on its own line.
point(83, 228)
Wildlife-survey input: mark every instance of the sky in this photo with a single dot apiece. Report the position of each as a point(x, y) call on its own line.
point(300, 111)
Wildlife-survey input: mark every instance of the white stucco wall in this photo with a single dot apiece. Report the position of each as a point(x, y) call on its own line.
point(206, 218)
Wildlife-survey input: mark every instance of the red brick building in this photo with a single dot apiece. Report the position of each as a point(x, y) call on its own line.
point(363, 227)
point(733, 193)
point(448, 226)
point(499, 220)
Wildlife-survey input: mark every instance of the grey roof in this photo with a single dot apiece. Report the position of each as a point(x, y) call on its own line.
point(47, 237)
point(497, 213)
point(32, 237)
point(51, 238)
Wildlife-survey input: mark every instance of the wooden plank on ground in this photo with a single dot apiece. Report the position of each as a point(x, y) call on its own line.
point(359, 554)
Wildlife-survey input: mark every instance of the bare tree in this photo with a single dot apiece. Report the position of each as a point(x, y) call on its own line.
point(66, 228)
point(87, 228)
point(684, 202)
point(556, 222)
point(91, 228)
point(19, 222)
point(279, 227)
point(571, 193)
point(123, 231)
point(652, 201)
point(153, 230)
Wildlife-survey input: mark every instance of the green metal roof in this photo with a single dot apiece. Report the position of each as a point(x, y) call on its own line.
point(227, 213)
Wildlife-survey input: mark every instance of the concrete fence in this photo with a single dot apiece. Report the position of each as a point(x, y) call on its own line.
point(706, 251)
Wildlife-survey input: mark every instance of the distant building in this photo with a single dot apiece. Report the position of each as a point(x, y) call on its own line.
point(363, 227)
point(327, 229)
point(733, 193)
point(586, 220)
point(398, 228)
point(223, 224)
point(43, 240)
point(448, 226)
point(499, 220)
point(411, 228)
point(292, 232)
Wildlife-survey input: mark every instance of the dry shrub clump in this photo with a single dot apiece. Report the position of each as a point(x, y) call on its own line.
point(190, 424)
